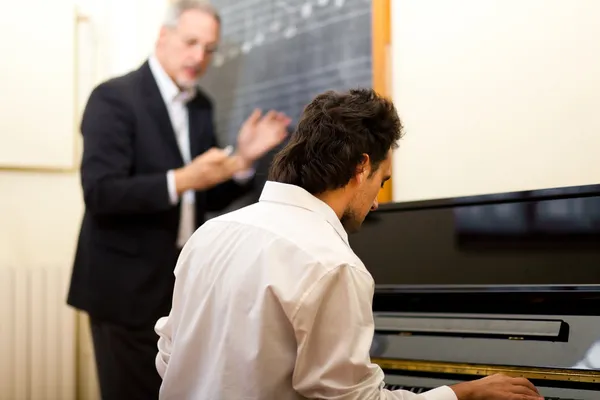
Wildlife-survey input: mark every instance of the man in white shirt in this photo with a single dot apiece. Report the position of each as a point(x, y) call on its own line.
point(270, 301)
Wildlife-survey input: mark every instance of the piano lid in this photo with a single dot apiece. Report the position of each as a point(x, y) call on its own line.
point(543, 237)
point(508, 280)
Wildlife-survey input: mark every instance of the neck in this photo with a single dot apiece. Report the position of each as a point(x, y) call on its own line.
point(336, 199)
point(160, 57)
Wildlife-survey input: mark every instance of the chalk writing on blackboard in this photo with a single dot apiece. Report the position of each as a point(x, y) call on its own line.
point(281, 53)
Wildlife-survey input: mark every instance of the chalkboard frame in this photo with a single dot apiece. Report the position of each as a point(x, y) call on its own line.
point(381, 64)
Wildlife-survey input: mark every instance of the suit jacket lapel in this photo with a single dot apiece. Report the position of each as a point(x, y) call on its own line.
point(158, 111)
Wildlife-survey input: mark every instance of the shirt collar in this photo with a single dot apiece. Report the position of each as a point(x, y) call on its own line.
point(168, 89)
point(298, 197)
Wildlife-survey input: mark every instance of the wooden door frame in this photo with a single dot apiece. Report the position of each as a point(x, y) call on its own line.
point(381, 64)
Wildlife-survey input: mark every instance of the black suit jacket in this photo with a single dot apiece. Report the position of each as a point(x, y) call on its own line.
point(123, 268)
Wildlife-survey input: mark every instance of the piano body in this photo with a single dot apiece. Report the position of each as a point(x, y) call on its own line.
point(471, 286)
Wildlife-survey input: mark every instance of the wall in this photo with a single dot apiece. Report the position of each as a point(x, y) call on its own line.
point(41, 211)
point(495, 95)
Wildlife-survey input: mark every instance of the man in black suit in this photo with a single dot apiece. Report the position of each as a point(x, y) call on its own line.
point(151, 169)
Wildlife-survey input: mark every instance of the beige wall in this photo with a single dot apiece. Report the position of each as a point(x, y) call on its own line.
point(52, 78)
point(40, 218)
point(41, 211)
point(495, 95)
point(45, 207)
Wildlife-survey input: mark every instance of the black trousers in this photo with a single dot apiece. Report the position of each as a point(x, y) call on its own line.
point(125, 361)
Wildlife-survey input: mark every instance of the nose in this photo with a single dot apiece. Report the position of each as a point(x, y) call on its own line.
point(199, 54)
point(375, 205)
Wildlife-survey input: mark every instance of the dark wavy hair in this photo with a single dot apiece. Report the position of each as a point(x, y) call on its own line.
point(332, 136)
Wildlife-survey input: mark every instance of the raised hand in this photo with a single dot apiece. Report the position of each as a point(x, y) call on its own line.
point(259, 134)
point(207, 170)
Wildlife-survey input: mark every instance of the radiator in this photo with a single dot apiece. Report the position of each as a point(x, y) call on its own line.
point(37, 335)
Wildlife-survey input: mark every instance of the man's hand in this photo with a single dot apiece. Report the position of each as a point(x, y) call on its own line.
point(497, 387)
point(259, 135)
point(207, 170)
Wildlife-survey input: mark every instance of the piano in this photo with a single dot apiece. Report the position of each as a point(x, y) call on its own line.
point(502, 283)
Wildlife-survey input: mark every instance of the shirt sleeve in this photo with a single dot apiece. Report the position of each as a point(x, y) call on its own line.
point(171, 187)
point(109, 152)
point(163, 330)
point(334, 330)
point(242, 177)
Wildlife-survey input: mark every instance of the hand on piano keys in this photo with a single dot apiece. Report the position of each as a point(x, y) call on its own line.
point(497, 387)
point(417, 389)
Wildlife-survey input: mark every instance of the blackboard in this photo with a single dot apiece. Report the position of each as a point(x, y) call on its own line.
point(280, 54)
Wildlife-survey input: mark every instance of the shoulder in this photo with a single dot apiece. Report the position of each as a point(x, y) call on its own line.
point(114, 91)
point(110, 101)
point(309, 259)
point(325, 244)
point(302, 230)
point(125, 88)
point(344, 285)
point(307, 239)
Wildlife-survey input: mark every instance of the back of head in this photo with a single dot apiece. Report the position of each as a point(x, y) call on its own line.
point(334, 133)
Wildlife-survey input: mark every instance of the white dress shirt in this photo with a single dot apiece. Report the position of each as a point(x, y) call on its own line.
point(176, 103)
point(271, 303)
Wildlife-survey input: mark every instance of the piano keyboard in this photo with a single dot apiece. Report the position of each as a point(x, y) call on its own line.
point(419, 389)
point(414, 389)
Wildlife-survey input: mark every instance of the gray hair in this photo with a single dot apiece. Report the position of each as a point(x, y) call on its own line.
point(178, 7)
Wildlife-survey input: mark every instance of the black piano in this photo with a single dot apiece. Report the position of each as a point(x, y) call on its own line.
point(501, 283)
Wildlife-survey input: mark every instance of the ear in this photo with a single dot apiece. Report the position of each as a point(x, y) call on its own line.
point(363, 168)
point(162, 33)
